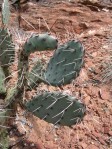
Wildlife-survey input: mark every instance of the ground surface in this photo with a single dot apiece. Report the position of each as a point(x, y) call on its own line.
point(92, 24)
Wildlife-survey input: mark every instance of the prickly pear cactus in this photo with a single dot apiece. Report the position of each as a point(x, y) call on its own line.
point(65, 64)
point(7, 51)
point(4, 141)
point(5, 12)
point(40, 42)
point(2, 82)
point(57, 108)
point(2, 115)
point(36, 74)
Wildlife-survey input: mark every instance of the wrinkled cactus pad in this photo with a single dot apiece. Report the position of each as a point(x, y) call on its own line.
point(65, 64)
point(57, 108)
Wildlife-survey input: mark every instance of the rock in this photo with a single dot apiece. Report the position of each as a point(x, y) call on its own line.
point(102, 141)
point(93, 91)
point(97, 135)
point(84, 145)
point(105, 10)
point(67, 92)
point(92, 146)
point(104, 93)
point(87, 100)
point(106, 129)
point(110, 132)
point(83, 75)
point(94, 54)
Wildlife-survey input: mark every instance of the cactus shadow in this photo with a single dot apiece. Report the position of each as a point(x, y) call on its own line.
point(22, 142)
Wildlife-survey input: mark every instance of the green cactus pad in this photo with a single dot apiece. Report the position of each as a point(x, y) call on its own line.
point(40, 42)
point(5, 12)
point(3, 114)
point(2, 82)
point(4, 140)
point(65, 64)
point(36, 74)
point(10, 94)
point(57, 108)
point(7, 51)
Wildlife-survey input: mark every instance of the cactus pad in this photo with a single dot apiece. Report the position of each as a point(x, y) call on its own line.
point(2, 81)
point(40, 42)
point(57, 108)
point(36, 74)
point(3, 114)
point(5, 12)
point(4, 140)
point(7, 51)
point(65, 64)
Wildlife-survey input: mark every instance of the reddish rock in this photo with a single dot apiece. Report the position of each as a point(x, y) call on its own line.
point(106, 129)
point(92, 146)
point(110, 132)
point(97, 135)
point(87, 100)
point(94, 54)
point(50, 145)
point(93, 91)
point(83, 76)
point(102, 141)
point(104, 93)
point(84, 145)
point(48, 137)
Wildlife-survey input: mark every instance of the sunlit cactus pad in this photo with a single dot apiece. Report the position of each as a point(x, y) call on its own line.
point(5, 12)
point(57, 108)
point(7, 50)
point(40, 42)
point(65, 64)
point(2, 81)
